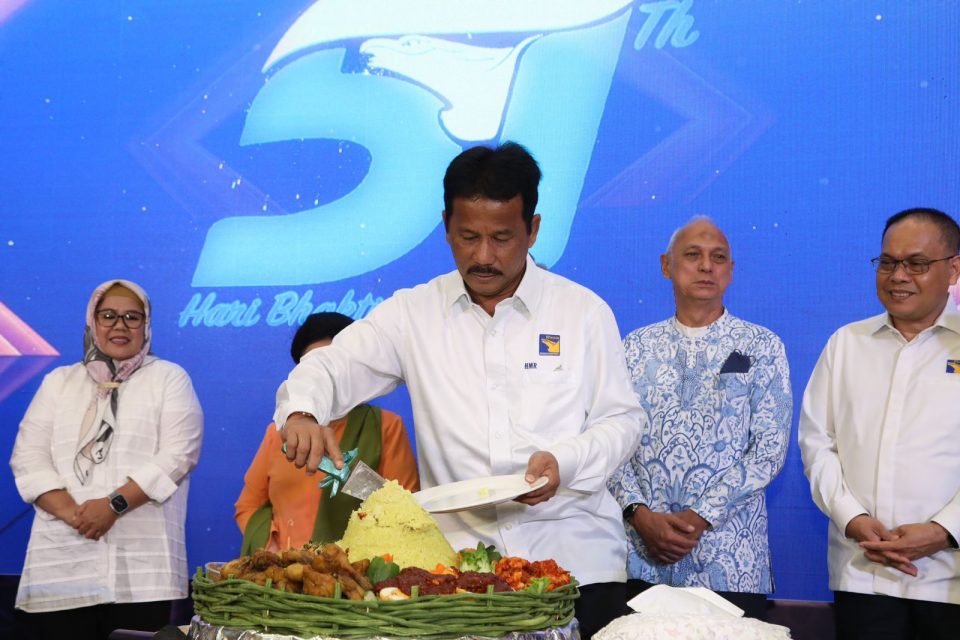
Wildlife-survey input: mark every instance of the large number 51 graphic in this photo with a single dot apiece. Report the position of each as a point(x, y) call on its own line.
point(553, 103)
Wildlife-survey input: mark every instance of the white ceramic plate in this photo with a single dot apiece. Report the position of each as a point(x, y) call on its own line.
point(474, 494)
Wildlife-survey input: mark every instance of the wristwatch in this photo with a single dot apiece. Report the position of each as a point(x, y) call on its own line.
point(118, 504)
point(629, 510)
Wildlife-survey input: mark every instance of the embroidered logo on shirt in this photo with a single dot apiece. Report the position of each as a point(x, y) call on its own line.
point(953, 366)
point(549, 344)
point(529, 365)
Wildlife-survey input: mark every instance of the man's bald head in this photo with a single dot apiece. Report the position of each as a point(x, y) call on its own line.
point(696, 224)
point(698, 262)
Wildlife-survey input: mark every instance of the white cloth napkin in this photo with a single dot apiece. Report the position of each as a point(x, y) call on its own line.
point(690, 626)
point(662, 598)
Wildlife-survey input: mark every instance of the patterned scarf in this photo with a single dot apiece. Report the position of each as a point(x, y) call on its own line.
point(93, 445)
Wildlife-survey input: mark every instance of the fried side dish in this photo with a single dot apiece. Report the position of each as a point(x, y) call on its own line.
point(521, 574)
point(314, 570)
point(478, 582)
point(430, 583)
point(319, 569)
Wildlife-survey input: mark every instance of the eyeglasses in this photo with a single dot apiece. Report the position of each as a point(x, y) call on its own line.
point(106, 318)
point(913, 266)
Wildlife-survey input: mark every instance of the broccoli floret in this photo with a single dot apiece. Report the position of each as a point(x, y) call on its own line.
point(539, 585)
point(482, 559)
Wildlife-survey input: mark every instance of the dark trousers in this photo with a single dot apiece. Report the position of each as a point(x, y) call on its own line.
point(99, 621)
point(598, 604)
point(754, 605)
point(877, 617)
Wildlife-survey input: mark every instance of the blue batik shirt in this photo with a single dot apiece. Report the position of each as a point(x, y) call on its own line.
point(719, 405)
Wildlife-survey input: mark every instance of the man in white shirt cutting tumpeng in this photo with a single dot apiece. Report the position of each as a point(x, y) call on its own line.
point(510, 369)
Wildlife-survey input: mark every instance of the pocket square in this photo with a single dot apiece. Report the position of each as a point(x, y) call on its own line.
point(737, 363)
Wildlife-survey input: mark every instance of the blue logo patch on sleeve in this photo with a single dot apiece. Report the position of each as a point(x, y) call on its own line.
point(953, 366)
point(549, 344)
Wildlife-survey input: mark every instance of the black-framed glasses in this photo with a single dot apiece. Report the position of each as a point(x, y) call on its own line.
point(913, 266)
point(106, 318)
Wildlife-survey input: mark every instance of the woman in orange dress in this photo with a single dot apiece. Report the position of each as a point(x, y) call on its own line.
point(280, 506)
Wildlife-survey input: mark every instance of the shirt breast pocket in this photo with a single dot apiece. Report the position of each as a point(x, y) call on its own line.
point(943, 391)
point(930, 435)
point(552, 378)
point(734, 385)
point(942, 382)
point(546, 397)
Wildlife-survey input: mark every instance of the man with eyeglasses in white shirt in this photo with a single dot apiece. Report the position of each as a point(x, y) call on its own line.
point(880, 440)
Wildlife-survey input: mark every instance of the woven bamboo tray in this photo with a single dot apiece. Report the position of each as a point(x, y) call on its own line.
point(246, 605)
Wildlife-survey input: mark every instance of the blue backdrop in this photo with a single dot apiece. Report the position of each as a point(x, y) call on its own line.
point(250, 162)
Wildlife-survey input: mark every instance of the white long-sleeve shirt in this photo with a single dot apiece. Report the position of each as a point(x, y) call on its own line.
point(880, 435)
point(142, 558)
point(545, 372)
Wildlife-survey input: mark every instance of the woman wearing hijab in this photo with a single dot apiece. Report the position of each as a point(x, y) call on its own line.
point(281, 507)
point(103, 453)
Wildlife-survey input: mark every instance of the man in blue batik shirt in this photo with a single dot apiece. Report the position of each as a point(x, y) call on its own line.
point(717, 392)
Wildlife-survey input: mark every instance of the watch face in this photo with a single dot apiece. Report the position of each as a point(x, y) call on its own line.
point(118, 503)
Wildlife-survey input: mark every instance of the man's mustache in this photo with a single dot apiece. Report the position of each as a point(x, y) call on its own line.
point(485, 271)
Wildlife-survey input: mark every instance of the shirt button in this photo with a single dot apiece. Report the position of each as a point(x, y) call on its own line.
point(508, 526)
